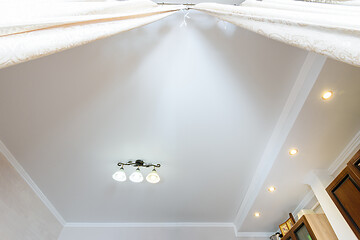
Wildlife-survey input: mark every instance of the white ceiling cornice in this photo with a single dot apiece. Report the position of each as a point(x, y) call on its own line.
point(351, 148)
point(336, 166)
point(306, 79)
point(254, 234)
point(4, 150)
point(171, 225)
point(153, 225)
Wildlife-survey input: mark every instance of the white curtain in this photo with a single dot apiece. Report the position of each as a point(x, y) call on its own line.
point(329, 29)
point(35, 28)
point(32, 29)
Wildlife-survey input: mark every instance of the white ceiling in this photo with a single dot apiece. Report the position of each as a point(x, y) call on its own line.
point(321, 132)
point(202, 100)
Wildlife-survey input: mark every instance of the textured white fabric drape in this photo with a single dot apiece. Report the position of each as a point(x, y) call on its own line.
point(31, 29)
point(329, 29)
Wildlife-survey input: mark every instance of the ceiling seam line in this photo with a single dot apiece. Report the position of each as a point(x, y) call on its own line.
point(306, 79)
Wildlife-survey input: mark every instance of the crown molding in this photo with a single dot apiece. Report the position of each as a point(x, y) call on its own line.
point(306, 79)
point(340, 162)
point(8, 155)
point(336, 166)
point(152, 225)
point(254, 234)
point(171, 225)
point(316, 205)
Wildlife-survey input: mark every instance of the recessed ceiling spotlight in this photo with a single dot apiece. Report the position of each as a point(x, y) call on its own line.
point(327, 95)
point(293, 151)
point(271, 189)
point(257, 214)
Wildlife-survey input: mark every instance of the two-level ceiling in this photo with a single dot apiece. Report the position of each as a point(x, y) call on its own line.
point(203, 100)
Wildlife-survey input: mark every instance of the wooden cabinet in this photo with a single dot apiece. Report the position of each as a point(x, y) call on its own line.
point(354, 164)
point(311, 227)
point(345, 192)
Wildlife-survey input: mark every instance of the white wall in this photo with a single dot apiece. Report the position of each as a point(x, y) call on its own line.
point(173, 233)
point(318, 209)
point(22, 214)
point(318, 181)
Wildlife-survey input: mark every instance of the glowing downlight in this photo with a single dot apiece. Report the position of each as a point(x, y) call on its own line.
point(293, 151)
point(327, 95)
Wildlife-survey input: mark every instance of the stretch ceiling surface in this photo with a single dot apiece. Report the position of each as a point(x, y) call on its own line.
point(202, 100)
point(199, 100)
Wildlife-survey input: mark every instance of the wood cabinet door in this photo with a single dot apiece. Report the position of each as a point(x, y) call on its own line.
point(354, 164)
point(302, 230)
point(289, 236)
point(345, 192)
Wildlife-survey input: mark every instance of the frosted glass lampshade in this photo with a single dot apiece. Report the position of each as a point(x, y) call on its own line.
point(120, 175)
point(136, 176)
point(153, 177)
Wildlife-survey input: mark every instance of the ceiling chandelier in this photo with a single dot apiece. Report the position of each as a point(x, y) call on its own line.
point(137, 177)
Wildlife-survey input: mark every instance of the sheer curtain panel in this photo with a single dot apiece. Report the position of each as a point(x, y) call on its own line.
point(331, 29)
point(32, 29)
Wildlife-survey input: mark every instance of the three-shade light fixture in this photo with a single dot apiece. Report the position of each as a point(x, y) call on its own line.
point(137, 177)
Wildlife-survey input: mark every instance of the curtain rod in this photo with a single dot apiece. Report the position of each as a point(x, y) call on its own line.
point(186, 4)
point(168, 3)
